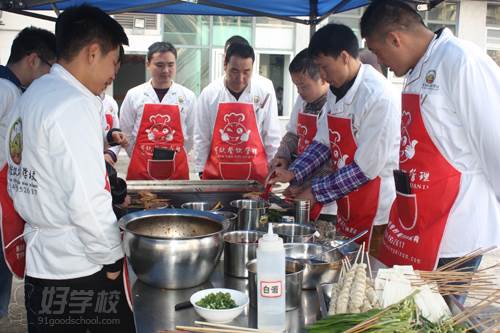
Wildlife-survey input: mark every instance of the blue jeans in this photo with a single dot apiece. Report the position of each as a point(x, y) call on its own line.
point(468, 266)
point(5, 284)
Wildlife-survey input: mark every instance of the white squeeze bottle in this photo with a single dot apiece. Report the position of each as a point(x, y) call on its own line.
point(271, 300)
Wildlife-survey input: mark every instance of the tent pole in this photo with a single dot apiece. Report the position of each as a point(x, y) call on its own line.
point(313, 14)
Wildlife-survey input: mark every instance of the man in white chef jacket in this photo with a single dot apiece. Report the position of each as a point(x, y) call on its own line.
point(158, 116)
point(256, 77)
point(450, 132)
point(359, 134)
point(57, 180)
point(32, 54)
point(238, 130)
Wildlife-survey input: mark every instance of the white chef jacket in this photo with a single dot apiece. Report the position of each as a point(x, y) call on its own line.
point(374, 107)
point(257, 92)
point(461, 112)
point(9, 93)
point(71, 230)
point(133, 106)
point(109, 106)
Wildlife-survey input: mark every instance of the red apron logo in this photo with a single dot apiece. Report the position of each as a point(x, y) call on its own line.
point(234, 132)
point(407, 150)
point(338, 158)
point(16, 141)
point(160, 131)
point(302, 134)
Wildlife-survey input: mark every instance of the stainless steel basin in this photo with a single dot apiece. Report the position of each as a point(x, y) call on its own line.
point(172, 248)
point(315, 272)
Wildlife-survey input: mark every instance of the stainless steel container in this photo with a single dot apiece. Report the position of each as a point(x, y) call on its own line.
point(293, 283)
point(230, 217)
point(294, 233)
point(172, 248)
point(251, 213)
point(200, 205)
point(302, 211)
point(315, 271)
point(239, 248)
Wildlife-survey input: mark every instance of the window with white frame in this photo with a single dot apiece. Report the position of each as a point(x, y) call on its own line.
point(200, 41)
point(493, 31)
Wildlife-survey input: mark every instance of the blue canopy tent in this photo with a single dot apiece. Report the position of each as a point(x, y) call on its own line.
point(309, 12)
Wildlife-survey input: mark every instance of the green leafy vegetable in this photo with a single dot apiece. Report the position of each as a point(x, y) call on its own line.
point(217, 301)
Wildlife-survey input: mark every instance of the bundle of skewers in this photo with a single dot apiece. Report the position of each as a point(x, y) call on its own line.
point(354, 293)
point(410, 301)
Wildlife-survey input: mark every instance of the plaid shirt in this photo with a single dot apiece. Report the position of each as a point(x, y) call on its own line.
point(338, 184)
point(328, 188)
point(315, 155)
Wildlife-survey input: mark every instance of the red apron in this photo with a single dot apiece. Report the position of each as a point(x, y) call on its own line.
point(356, 210)
point(12, 228)
point(109, 121)
point(417, 221)
point(236, 151)
point(160, 128)
point(306, 130)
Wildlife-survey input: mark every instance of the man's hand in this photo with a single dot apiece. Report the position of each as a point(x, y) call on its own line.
point(293, 190)
point(279, 163)
point(113, 275)
point(306, 195)
point(109, 159)
point(281, 175)
point(125, 202)
point(120, 138)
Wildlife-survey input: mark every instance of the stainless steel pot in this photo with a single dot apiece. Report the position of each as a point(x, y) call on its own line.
point(172, 248)
point(294, 233)
point(293, 283)
point(315, 272)
point(251, 213)
point(239, 248)
point(229, 217)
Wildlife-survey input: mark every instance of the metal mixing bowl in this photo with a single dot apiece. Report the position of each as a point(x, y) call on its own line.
point(293, 233)
point(172, 248)
point(201, 205)
point(315, 272)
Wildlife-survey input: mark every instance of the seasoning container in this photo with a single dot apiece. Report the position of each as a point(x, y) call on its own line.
point(271, 299)
point(302, 211)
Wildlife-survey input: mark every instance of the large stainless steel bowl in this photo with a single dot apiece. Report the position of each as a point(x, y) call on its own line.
point(323, 269)
point(172, 248)
point(293, 233)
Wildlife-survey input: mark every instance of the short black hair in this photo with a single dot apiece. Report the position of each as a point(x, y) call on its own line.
point(82, 25)
point(383, 16)
point(303, 63)
point(240, 50)
point(332, 39)
point(235, 39)
point(161, 47)
point(33, 40)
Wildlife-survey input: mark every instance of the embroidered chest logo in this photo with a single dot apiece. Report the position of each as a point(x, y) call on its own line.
point(16, 141)
point(430, 78)
point(407, 150)
point(234, 131)
point(160, 130)
point(339, 159)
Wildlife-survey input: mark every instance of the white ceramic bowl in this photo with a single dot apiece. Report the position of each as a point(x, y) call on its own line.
point(220, 316)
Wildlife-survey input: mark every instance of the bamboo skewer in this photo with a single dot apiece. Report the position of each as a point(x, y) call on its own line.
point(216, 330)
point(246, 329)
